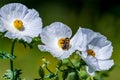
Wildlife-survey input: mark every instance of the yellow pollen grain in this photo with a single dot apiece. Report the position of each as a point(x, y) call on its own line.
point(91, 52)
point(64, 43)
point(18, 24)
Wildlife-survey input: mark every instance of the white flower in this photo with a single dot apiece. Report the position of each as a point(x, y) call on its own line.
point(20, 22)
point(56, 39)
point(98, 52)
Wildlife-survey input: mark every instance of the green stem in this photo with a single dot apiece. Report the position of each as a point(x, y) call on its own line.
point(11, 61)
point(49, 70)
point(91, 78)
point(74, 67)
point(71, 63)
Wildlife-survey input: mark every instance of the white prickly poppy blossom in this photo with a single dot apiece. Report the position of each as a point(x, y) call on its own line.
point(57, 40)
point(98, 52)
point(20, 22)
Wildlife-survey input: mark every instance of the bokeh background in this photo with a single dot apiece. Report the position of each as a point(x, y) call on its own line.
point(99, 15)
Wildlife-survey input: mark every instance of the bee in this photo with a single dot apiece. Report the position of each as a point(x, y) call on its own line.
point(66, 44)
point(91, 52)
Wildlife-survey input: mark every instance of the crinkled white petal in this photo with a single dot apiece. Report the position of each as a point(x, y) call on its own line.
point(2, 29)
point(83, 54)
point(58, 53)
point(89, 33)
point(93, 62)
point(101, 46)
point(31, 21)
point(67, 53)
point(54, 51)
point(99, 42)
point(12, 36)
point(13, 10)
point(55, 30)
point(105, 52)
point(95, 39)
point(90, 61)
point(106, 64)
point(90, 71)
point(79, 41)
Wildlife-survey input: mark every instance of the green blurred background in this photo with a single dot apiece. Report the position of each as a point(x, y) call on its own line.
point(99, 15)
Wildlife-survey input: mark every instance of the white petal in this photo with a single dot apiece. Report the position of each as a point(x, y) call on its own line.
point(10, 35)
point(90, 71)
point(27, 39)
point(14, 36)
point(90, 34)
point(13, 10)
point(83, 54)
point(56, 30)
point(99, 41)
point(105, 52)
point(32, 24)
point(67, 53)
point(58, 53)
point(106, 64)
point(91, 61)
point(79, 41)
point(2, 29)
point(43, 47)
point(54, 51)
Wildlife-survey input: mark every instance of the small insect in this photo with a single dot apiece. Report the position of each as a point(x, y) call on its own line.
point(64, 43)
point(91, 52)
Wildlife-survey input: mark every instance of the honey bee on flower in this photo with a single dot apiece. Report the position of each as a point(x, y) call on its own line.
point(57, 40)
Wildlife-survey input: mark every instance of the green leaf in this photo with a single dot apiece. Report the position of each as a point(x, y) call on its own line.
point(65, 61)
point(4, 55)
point(36, 39)
point(8, 75)
point(59, 63)
point(49, 76)
point(72, 76)
point(17, 73)
point(41, 72)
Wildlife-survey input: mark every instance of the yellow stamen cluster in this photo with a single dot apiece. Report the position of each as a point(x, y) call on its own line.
point(91, 52)
point(64, 43)
point(18, 24)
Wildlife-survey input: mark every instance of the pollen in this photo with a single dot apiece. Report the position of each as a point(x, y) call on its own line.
point(91, 52)
point(64, 43)
point(18, 24)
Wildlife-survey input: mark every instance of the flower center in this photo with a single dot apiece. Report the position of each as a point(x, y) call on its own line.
point(91, 52)
point(18, 24)
point(64, 43)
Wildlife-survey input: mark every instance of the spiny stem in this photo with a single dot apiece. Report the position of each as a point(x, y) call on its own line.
point(11, 61)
